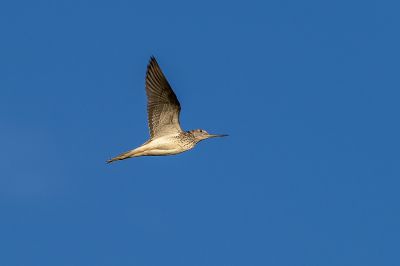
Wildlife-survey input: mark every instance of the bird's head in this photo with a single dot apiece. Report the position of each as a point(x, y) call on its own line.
point(200, 134)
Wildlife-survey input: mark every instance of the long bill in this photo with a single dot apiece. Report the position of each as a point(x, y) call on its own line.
point(217, 135)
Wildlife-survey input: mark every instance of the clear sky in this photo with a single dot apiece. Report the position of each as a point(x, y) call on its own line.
point(308, 90)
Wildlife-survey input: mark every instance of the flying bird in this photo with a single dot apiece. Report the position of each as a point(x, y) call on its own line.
point(163, 108)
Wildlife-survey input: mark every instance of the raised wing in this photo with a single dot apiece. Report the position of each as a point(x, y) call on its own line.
point(163, 107)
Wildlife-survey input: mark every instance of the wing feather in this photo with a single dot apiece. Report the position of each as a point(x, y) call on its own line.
point(163, 107)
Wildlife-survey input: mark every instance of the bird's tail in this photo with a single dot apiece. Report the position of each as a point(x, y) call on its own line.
point(123, 156)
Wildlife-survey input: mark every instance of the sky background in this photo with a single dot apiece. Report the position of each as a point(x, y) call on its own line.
point(308, 91)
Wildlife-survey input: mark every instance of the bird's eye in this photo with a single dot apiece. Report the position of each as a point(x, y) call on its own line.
point(201, 131)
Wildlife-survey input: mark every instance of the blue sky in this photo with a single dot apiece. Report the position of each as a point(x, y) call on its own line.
point(307, 90)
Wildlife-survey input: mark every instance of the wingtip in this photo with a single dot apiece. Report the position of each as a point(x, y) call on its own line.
point(152, 63)
point(153, 59)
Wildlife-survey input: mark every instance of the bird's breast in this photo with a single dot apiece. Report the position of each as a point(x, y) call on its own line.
point(172, 142)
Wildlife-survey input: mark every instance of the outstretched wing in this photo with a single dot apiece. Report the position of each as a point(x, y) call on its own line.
point(163, 107)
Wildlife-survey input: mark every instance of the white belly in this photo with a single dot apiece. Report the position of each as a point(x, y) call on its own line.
point(166, 145)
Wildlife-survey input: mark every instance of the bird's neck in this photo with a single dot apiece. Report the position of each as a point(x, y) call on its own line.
point(190, 135)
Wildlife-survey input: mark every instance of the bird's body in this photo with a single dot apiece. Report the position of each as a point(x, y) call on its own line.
point(163, 107)
point(165, 145)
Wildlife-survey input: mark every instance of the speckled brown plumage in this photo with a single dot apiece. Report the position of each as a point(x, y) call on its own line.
point(163, 109)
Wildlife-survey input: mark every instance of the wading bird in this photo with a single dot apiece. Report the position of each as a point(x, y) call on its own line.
point(163, 108)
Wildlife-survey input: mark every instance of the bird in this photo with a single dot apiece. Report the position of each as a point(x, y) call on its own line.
point(163, 109)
